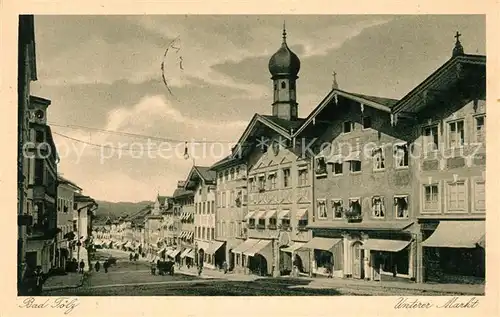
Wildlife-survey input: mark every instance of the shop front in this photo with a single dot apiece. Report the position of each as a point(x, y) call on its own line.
point(387, 258)
point(326, 256)
point(215, 254)
point(260, 258)
point(241, 261)
point(293, 260)
point(455, 251)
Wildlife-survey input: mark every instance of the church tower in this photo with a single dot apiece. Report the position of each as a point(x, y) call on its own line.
point(284, 66)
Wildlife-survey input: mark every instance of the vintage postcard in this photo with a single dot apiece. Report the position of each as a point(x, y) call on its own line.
point(225, 162)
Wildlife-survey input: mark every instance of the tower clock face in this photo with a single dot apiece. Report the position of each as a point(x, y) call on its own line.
point(39, 114)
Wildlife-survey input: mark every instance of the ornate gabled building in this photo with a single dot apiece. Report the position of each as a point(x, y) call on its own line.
point(201, 180)
point(362, 219)
point(66, 191)
point(231, 205)
point(279, 179)
point(184, 209)
point(42, 187)
point(446, 115)
point(26, 74)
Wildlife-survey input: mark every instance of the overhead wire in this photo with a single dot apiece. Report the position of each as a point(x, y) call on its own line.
point(134, 135)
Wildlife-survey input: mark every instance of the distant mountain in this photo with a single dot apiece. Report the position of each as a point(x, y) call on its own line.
point(115, 210)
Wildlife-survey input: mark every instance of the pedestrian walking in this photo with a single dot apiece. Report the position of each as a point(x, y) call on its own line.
point(106, 266)
point(82, 266)
point(330, 270)
point(130, 257)
point(97, 266)
point(224, 266)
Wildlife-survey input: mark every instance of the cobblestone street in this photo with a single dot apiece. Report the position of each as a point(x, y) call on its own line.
point(134, 277)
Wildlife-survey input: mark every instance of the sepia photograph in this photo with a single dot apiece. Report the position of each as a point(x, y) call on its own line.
point(252, 155)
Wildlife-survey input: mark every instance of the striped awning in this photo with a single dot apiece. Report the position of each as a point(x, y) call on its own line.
point(245, 245)
point(284, 214)
point(260, 214)
point(302, 214)
point(249, 215)
point(270, 214)
point(185, 252)
point(292, 248)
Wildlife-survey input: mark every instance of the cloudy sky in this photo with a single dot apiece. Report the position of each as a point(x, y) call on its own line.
point(103, 72)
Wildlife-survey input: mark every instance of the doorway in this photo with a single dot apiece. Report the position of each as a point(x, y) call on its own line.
point(357, 260)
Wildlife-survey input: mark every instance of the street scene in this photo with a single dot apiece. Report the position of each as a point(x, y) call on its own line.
point(169, 156)
point(134, 277)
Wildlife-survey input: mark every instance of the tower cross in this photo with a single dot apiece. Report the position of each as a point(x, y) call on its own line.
point(457, 36)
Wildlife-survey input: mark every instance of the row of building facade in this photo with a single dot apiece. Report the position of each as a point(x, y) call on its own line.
point(53, 214)
point(365, 187)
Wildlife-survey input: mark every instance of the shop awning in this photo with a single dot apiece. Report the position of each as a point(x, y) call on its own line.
point(190, 254)
point(190, 235)
point(293, 247)
point(318, 243)
point(335, 159)
point(203, 245)
point(183, 234)
point(249, 215)
point(174, 253)
point(385, 245)
point(302, 214)
point(247, 244)
point(284, 214)
point(214, 246)
point(185, 252)
point(353, 156)
point(257, 248)
point(270, 214)
point(260, 214)
point(456, 234)
point(160, 251)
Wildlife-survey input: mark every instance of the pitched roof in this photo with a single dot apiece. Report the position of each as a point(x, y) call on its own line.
point(179, 192)
point(285, 124)
point(63, 180)
point(433, 81)
point(388, 102)
point(380, 103)
point(206, 173)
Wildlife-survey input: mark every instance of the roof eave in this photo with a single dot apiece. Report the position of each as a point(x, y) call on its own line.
point(329, 97)
point(432, 78)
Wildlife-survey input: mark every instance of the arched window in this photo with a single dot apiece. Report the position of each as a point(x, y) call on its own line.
point(283, 85)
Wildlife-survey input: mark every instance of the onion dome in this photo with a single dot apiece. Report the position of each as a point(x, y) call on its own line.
point(284, 62)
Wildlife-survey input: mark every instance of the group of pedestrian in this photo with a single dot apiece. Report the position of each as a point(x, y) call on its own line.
point(133, 257)
point(105, 265)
